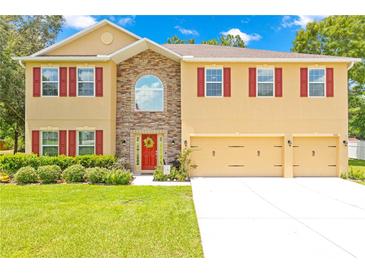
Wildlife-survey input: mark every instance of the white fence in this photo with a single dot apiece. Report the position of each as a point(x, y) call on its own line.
point(357, 150)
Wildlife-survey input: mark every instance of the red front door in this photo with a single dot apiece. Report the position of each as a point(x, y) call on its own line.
point(149, 151)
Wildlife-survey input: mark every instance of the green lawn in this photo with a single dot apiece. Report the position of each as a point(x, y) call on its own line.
point(358, 165)
point(98, 221)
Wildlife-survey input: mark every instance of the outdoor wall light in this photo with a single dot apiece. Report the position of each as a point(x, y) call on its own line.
point(345, 142)
point(185, 143)
point(123, 142)
point(289, 143)
point(173, 142)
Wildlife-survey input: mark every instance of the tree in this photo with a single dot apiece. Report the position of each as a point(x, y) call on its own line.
point(232, 41)
point(225, 40)
point(339, 36)
point(20, 36)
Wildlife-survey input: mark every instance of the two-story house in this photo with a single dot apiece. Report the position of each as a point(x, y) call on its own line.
point(243, 112)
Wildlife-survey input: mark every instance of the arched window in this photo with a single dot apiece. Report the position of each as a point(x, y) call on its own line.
point(149, 93)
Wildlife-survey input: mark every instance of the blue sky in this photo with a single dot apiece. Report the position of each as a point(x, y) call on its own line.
point(260, 32)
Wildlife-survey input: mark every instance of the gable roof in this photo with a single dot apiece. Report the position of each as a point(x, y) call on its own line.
point(206, 52)
point(142, 45)
point(82, 33)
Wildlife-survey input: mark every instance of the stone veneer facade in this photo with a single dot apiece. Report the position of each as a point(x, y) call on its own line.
point(131, 122)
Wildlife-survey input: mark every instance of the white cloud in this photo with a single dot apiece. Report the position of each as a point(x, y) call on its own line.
point(79, 21)
point(125, 21)
point(187, 31)
point(300, 20)
point(244, 36)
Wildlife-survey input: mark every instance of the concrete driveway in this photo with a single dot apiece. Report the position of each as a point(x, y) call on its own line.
point(259, 218)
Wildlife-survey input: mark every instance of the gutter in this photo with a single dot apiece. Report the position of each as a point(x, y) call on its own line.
point(63, 58)
point(271, 60)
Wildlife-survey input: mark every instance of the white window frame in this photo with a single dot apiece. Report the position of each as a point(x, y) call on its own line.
point(163, 94)
point(324, 83)
point(58, 77)
point(257, 82)
point(206, 82)
point(58, 141)
point(77, 81)
point(78, 144)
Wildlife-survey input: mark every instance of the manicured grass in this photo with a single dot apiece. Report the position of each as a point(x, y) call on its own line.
point(358, 165)
point(98, 221)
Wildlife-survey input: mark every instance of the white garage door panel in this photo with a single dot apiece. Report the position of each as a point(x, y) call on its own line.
point(237, 156)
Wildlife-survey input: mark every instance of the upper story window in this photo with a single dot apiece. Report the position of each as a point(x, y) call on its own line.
point(85, 82)
point(49, 143)
point(265, 82)
point(214, 82)
point(316, 82)
point(149, 94)
point(86, 142)
point(50, 82)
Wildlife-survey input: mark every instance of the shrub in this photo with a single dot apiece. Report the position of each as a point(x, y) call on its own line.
point(12, 163)
point(119, 177)
point(158, 175)
point(105, 161)
point(49, 174)
point(356, 174)
point(74, 174)
point(96, 175)
point(26, 175)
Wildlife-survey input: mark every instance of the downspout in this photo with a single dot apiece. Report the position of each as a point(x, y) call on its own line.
point(21, 64)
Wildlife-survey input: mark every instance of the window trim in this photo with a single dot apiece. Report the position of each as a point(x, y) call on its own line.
point(59, 82)
point(324, 82)
point(77, 141)
point(77, 81)
point(41, 141)
point(205, 82)
point(257, 82)
point(163, 94)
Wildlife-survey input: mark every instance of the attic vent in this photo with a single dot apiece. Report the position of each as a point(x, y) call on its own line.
point(107, 38)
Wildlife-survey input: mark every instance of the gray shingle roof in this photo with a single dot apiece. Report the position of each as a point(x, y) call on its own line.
point(211, 51)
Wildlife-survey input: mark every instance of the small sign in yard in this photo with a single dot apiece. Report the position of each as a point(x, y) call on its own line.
point(166, 169)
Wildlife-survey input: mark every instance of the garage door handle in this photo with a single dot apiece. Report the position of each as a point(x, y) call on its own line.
point(313, 153)
point(258, 153)
point(213, 153)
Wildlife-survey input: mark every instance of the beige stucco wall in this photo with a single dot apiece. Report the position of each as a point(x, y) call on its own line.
point(91, 43)
point(73, 112)
point(290, 115)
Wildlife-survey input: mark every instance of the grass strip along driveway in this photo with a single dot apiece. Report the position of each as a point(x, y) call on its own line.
point(358, 165)
point(98, 221)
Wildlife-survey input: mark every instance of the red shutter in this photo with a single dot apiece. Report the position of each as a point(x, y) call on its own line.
point(35, 142)
point(72, 143)
point(63, 82)
point(252, 82)
point(201, 82)
point(278, 82)
point(329, 82)
point(72, 82)
point(99, 82)
point(62, 142)
point(99, 142)
point(36, 82)
point(303, 82)
point(227, 82)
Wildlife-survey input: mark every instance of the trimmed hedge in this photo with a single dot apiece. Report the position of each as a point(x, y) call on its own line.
point(49, 174)
point(96, 175)
point(26, 175)
point(74, 174)
point(12, 163)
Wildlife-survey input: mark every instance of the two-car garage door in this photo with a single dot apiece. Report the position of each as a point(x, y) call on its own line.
point(262, 156)
point(237, 156)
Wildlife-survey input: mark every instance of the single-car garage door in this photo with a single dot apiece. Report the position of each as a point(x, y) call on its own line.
point(315, 156)
point(237, 156)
